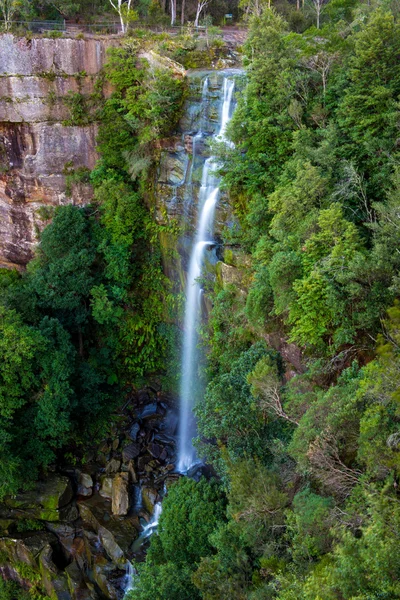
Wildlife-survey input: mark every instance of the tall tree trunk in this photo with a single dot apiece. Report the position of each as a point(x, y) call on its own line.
point(173, 12)
point(183, 12)
point(201, 4)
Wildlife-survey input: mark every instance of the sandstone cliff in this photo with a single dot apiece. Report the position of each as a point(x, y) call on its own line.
point(38, 137)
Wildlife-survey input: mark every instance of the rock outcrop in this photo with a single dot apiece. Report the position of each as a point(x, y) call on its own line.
point(38, 137)
point(73, 534)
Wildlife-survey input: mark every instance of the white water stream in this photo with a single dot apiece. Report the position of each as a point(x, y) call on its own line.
point(208, 198)
point(129, 577)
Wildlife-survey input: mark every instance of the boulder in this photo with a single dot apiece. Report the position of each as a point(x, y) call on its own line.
point(134, 430)
point(164, 454)
point(100, 571)
point(74, 578)
point(142, 462)
point(106, 487)
point(113, 466)
point(120, 494)
point(149, 499)
point(155, 450)
point(164, 438)
point(6, 525)
point(130, 451)
point(150, 410)
point(65, 534)
point(25, 548)
point(95, 512)
point(114, 551)
point(85, 485)
point(86, 480)
point(48, 501)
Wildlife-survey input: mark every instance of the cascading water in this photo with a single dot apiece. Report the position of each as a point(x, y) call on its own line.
point(153, 523)
point(208, 198)
point(129, 577)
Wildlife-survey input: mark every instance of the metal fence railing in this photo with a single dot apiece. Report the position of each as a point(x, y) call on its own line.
point(106, 27)
point(40, 26)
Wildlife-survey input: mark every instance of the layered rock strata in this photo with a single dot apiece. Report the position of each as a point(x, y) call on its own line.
point(39, 142)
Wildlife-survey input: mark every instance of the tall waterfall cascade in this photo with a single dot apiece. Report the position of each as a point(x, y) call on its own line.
point(203, 238)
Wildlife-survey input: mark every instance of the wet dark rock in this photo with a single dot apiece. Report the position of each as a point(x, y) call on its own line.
point(101, 571)
point(131, 451)
point(69, 513)
point(164, 438)
point(149, 499)
point(95, 512)
point(104, 448)
point(198, 471)
point(134, 430)
point(148, 411)
point(143, 396)
point(169, 425)
point(155, 450)
point(130, 468)
point(65, 534)
point(54, 582)
point(142, 462)
point(74, 577)
point(113, 466)
point(152, 466)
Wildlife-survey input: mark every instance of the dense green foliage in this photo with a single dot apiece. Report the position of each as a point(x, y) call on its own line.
point(301, 414)
point(191, 511)
point(300, 419)
point(85, 319)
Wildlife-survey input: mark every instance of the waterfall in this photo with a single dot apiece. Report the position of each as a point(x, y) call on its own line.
point(153, 523)
point(208, 198)
point(129, 577)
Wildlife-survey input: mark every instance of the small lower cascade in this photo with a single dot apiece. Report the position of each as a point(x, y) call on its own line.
point(203, 239)
point(129, 577)
point(153, 523)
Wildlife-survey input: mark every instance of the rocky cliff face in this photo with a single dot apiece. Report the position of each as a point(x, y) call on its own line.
point(37, 135)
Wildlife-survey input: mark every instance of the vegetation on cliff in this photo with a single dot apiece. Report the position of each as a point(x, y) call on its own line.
point(301, 417)
point(90, 315)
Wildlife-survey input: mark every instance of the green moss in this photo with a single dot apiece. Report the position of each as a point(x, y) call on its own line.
point(29, 525)
point(229, 258)
point(27, 572)
point(51, 98)
point(50, 75)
